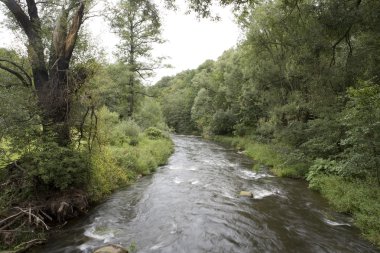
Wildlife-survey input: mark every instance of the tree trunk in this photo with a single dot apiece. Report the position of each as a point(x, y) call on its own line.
point(131, 98)
point(52, 84)
point(55, 101)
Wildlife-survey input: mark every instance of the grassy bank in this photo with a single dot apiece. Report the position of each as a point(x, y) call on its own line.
point(119, 165)
point(274, 157)
point(359, 198)
point(53, 185)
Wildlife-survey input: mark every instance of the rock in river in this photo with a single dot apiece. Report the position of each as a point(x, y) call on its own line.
point(246, 194)
point(111, 249)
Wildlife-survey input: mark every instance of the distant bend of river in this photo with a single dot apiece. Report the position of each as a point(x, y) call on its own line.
point(192, 204)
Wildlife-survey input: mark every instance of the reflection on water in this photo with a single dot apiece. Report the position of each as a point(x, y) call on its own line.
point(193, 205)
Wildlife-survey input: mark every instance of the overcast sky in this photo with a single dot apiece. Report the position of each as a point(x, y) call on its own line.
point(189, 41)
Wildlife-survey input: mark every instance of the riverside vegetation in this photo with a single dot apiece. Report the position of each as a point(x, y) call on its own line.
point(300, 93)
point(73, 128)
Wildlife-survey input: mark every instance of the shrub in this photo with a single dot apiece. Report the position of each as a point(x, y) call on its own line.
point(154, 133)
point(107, 173)
point(56, 168)
point(223, 122)
point(131, 128)
point(321, 167)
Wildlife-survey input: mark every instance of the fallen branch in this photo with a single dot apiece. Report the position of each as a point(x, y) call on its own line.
point(30, 214)
point(27, 245)
point(10, 217)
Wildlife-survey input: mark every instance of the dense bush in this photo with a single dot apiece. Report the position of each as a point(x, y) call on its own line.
point(154, 133)
point(56, 168)
point(150, 115)
point(223, 122)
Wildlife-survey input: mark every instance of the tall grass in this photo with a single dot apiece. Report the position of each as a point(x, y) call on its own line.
point(361, 199)
point(276, 158)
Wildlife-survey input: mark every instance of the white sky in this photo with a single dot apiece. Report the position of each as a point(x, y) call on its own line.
point(189, 41)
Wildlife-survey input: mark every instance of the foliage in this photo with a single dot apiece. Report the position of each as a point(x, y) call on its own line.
point(223, 122)
point(361, 117)
point(202, 110)
point(361, 199)
point(55, 168)
point(119, 156)
point(277, 158)
point(138, 26)
point(154, 133)
point(150, 114)
point(177, 106)
point(301, 91)
point(107, 174)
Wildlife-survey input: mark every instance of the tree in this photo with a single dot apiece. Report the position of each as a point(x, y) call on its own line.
point(50, 75)
point(361, 117)
point(138, 25)
point(202, 110)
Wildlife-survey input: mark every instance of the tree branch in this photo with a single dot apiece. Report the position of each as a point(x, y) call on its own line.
point(20, 68)
point(345, 36)
point(82, 125)
point(33, 11)
point(347, 33)
point(144, 94)
point(73, 32)
point(19, 15)
point(16, 74)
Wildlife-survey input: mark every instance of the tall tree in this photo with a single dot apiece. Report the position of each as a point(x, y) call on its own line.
point(50, 75)
point(138, 25)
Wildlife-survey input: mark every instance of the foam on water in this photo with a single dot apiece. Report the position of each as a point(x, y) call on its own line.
point(85, 247)
point(334, 223)
point(228, 195)
point(260, 194)
point(246, 174)
point(193, 168)
point(101, 236)
point(177, 180)
point(157, 246)
point(194, 181)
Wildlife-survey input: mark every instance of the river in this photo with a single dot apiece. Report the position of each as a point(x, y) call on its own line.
point(192, 205)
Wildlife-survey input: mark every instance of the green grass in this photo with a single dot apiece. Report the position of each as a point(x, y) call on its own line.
point(358, 198)
point(152, 153)
point(116, 166)
point(266, 154)
point(361, 199)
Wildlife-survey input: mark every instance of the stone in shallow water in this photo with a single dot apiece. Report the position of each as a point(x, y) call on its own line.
point(246, 194)
point(111, 249)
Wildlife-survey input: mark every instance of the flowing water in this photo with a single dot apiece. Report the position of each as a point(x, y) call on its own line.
point(192, 205)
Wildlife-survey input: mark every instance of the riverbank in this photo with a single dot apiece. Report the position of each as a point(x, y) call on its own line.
point(361, 199)
point(192, 204)
point(120, 165)
point(27, 214)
